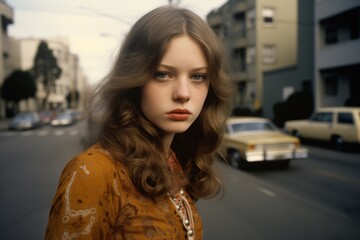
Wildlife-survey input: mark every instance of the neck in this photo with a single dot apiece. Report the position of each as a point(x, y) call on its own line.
point(167, 140)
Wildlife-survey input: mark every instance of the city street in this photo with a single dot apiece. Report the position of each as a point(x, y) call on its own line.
point(316, 198)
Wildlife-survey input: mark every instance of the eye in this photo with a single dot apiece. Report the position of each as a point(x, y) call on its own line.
point(162, 75)
point(199, 77)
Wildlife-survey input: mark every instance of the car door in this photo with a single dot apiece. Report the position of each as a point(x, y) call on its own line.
point(345, 126)
point(319, 126)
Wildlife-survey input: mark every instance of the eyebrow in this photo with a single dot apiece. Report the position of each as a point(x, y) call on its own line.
point(174, 68)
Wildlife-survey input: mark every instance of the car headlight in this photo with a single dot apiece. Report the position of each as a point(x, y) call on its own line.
point(255, 147)
point(65, 121)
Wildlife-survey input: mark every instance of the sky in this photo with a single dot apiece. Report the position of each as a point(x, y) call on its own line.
point(93, 29)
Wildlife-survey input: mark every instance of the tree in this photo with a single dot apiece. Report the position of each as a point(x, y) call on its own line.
point(73, 97)
point(19, 85)
point(299, 105)
point(46, 68)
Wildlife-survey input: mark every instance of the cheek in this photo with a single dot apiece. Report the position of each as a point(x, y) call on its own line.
point(202, 94)
point(150, 98)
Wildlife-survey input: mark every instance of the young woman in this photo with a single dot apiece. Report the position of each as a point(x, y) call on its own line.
point(163, 108)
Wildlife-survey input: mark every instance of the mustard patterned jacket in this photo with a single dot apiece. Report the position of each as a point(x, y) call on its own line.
point(96, 199)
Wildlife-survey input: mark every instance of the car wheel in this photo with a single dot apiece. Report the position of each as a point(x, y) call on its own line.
point(284, 164)
point(296, 133)
point(235, 159)
point(338, 143)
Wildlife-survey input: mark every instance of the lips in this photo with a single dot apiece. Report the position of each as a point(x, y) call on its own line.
point(179, 114)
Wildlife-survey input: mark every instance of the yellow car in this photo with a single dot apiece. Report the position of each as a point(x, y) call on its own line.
point(337, 125)
point(252, 139)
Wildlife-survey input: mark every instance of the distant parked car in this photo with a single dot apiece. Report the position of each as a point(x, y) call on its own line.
point(338, 125)
point(46, 116)
point(251, 139)
point(90, 133)
point(63, 119)
point(25, 120)
point(78, 115)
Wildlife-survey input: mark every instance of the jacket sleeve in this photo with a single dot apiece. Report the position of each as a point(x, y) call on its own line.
point(85, 201)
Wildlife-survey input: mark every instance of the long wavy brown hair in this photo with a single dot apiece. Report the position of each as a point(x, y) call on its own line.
point(134, 140)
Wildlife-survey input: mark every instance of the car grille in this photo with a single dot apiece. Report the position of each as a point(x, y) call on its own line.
point(276, 146)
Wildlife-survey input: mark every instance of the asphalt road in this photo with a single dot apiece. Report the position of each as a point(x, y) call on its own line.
point(316, 198)
point(30, 166)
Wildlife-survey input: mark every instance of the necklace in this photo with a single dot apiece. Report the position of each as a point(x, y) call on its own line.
point(183, 208)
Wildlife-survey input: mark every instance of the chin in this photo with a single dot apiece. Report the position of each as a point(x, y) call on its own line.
point(177, 128)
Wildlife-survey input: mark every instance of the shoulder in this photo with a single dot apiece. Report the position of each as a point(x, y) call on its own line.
point(92, 159)
point(93, 165)
point(87, 196)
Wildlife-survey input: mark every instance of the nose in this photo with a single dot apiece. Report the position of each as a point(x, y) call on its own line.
point(182, 90)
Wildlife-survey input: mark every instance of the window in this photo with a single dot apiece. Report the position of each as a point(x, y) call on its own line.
point(287, 91)
point(331, 34)
point(251, 17)
point(251, 126)
point(346, 118)
point(341, 27)
point(323, 117)
point(250, 55)
point(269, 54)
point(239, 59)
point(268, 16)
point(331, 86)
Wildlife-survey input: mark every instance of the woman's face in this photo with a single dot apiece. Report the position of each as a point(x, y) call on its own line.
point(173, 98)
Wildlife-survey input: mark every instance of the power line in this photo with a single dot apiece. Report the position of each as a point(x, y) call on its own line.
point(73, 12)
point(105, 15)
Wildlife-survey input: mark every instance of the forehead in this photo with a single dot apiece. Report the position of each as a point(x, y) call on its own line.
point(184, 49)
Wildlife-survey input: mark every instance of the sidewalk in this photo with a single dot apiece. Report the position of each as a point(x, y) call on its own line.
point(4, 124)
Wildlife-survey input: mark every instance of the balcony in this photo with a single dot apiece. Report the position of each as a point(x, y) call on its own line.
point(239, 76)
point(239, 7)
point(6, 12)
point(339, 54)
point(239, 42)
point(214, 19)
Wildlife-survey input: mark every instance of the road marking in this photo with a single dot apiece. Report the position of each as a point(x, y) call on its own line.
point(267, 192)
point(25, 134)
point(73, 132)
point(40, 133)
point(59, 133)
point(7, 134)
point(43, 133)
point(337, 176)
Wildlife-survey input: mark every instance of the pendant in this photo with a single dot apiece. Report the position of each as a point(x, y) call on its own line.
point(183, 209)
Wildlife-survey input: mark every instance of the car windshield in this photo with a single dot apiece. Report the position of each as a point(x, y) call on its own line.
point(252, 126)
point(24, 117)
point(64, 116)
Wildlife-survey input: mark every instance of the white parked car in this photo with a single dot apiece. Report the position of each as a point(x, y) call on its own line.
point(25, 120)
point(338, 125)
point(63, 119)
point(251, 139)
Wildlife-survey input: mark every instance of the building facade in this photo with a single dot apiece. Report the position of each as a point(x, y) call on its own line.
point(259, 36)
point(72, 78)
point(337, 48)
point(6, 18)
point(280, 84)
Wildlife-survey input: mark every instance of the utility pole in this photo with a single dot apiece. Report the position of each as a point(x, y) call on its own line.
point(176, 4)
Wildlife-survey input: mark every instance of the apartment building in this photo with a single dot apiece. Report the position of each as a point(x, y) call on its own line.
point(337, 53)
point(72, 77)
point(289, 90)
point(6, 18)
point(259, 36)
